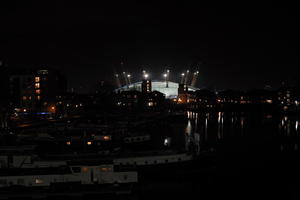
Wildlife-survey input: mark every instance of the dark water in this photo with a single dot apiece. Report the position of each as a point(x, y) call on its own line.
point(257, 154)
point(268, 132)
point(256, 157)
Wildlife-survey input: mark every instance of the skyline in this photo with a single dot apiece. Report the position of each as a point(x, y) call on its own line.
point(237, 48)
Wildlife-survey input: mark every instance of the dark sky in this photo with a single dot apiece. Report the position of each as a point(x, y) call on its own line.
point(238, 46)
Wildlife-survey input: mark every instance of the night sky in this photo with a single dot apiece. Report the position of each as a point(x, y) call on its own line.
point(237, 46)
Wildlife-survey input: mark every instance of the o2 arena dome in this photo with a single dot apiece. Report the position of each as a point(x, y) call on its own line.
point(170, 89)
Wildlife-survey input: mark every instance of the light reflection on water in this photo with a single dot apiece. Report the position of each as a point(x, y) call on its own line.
point(206, 129)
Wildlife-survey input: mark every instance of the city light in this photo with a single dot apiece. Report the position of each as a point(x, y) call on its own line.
point(106, 138)
point(128, 75)
point(146, 76)
point(165, 75)
point(182, 74)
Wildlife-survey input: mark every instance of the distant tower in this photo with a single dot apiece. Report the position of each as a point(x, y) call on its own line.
point(182, 89)
point(182, 93)
point(146, 86)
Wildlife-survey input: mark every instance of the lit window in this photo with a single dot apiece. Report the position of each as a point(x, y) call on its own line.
point(105, 169)
point(85, 169)
point(106, 137)
point(269, 101)
point(37, 85)
point(89, 143)
point(37, 79)
point(68, 142)
point(38, 97)
point(24, 98)
point(38, 91)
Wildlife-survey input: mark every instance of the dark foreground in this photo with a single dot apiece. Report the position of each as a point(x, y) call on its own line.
point(253, 157)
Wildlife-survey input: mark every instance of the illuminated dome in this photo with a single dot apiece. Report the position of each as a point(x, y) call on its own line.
point(170, 92)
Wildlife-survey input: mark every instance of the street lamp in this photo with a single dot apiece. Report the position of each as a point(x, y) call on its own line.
point(186, 77)
point(182, 78)
point(166, 79)
point(129, 76)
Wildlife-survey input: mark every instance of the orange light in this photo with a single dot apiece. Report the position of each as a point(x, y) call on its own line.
point(85, 169)
point(68, 142)
point(105, 169)
point(52, 109)
point(37, 79)
point(106, 137)
point(269, 101)
point(89, 143)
